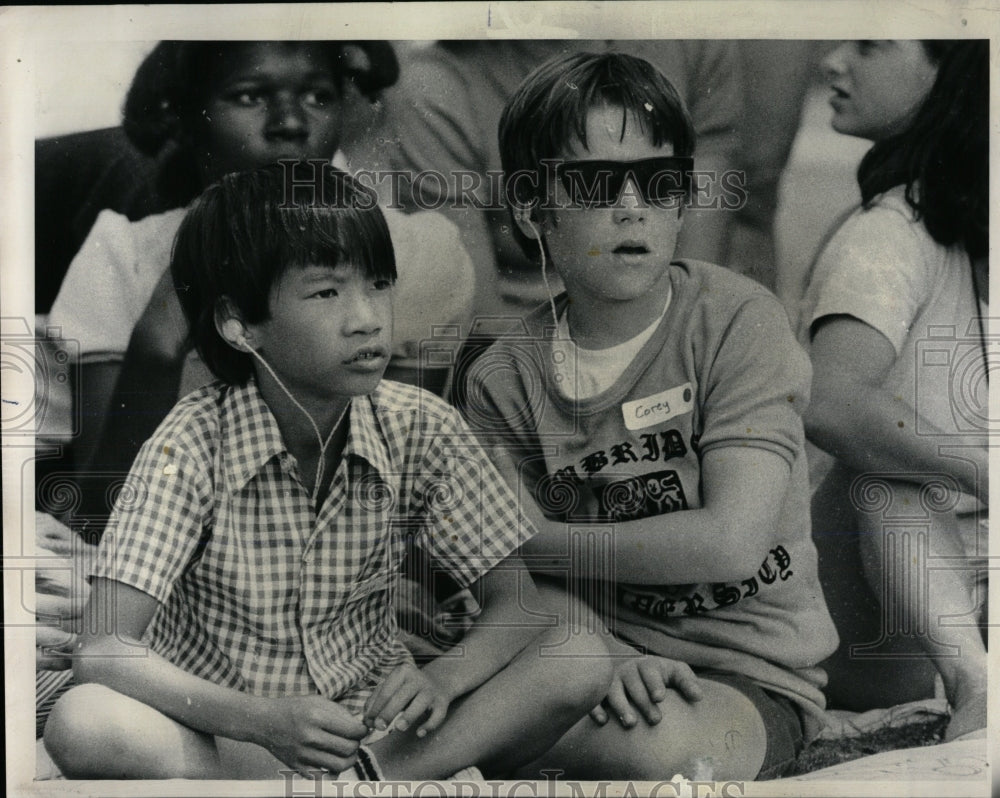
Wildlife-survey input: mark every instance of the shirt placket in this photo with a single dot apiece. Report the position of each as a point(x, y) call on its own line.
point(273, 669)
point(323, 579)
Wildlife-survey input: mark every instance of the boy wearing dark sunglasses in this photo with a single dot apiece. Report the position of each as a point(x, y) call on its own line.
point(650, 417)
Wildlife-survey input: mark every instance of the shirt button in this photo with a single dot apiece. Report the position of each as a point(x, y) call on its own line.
point(307, 557)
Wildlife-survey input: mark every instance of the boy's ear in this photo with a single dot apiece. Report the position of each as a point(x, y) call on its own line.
point(525, 219)
point(230, 326)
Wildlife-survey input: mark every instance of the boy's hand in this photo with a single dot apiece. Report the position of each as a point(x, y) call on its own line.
point(641, 683)
point(409, 693)
point(310, 732)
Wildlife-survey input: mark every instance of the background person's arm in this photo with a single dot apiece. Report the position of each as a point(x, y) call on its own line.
point(854, 418)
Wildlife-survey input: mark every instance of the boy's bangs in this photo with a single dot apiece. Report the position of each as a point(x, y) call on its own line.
point(652, 103)
point(309, 236)
point(549, 118)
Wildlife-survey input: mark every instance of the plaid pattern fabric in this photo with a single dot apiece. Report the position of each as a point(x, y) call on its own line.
point(260, 592)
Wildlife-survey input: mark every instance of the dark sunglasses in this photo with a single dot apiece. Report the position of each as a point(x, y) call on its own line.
point(661, 182)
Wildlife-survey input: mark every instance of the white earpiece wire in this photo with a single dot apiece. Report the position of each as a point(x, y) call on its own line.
point(321, 465)
point(545, 277)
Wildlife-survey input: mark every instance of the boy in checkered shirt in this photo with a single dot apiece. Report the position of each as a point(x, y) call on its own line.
point(251, 559)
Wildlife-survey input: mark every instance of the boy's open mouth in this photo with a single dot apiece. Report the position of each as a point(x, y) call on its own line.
point(631, 248)
point(366, 355)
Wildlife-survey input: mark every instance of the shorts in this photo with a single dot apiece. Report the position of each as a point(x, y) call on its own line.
point(782, 722)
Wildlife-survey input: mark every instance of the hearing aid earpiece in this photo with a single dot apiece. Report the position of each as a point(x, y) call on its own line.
point(534, 230)
point(235, 333)
point(523, 215)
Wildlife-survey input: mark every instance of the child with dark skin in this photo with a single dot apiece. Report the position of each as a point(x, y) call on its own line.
point(259, 563)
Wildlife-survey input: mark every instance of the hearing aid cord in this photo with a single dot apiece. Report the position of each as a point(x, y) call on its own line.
point(321, 465)
point(545, 277)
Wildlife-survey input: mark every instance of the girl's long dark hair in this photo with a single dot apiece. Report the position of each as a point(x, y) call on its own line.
point(942, 158)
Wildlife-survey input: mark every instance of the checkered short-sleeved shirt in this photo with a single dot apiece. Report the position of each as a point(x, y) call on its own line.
point(257, 590)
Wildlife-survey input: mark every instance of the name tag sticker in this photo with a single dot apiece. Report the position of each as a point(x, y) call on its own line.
point(659, 407)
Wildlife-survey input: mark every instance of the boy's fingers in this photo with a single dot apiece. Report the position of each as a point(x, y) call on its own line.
point(397, 702)
point(335, 745)
point(439, 709)
point(640, 697)
point(599, 715)
point(53, 649)
point(374, 703)
point(352, 729)
point(413, 712)
point(618, 704)
point(338, 722)
point(52, 637)
point(47, 660)
point(683, 679)
point(655, 679)
point(316, 760)
point(377, 700)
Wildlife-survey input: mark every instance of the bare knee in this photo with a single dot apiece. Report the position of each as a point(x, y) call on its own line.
point(96, 732)
point(721, 737)
point(724, 738)
point(76, 734)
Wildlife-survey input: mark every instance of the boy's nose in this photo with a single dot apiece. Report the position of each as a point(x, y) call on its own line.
point(286, 119)
point(362, 316)
point(833, 64)
point(630, 205)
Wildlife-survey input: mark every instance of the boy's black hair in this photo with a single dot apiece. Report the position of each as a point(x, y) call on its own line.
point(548, 111)
point(164, 103)
point(246, 230)
point(942, 158)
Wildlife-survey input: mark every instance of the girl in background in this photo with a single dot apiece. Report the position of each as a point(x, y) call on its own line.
point(909, 265)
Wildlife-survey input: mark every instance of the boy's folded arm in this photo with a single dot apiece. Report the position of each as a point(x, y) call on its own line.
point(743, 489)
point(500, 633)
point(110, 653)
